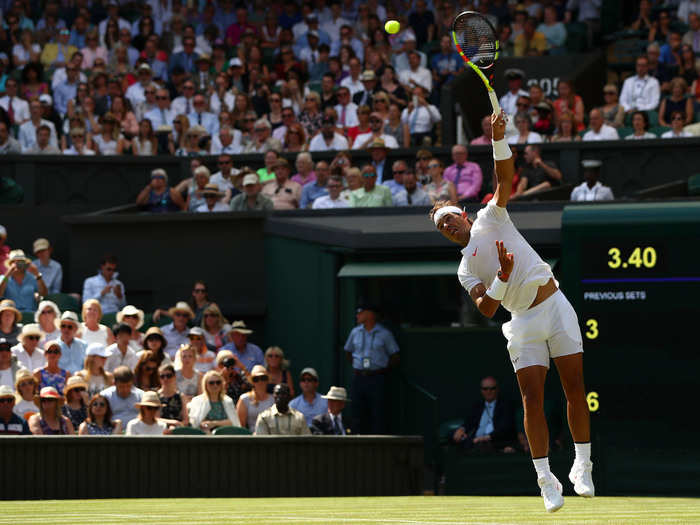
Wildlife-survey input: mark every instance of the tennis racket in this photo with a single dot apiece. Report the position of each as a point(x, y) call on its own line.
point(476, 42)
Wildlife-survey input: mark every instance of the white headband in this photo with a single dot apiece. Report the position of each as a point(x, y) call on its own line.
point(444, 211)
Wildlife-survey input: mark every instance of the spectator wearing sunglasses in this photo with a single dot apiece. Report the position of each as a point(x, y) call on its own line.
point(490, 423)
point(234, 374)
point(253, 403)
point(212, 408)
point(99, 421)
point(146, 372)
point(173, 402)
point(309, 402)
point(10, 423)
point(105, 287)
point(27, 351)
point(75, 407)
point(52, 375)
point(73, 349)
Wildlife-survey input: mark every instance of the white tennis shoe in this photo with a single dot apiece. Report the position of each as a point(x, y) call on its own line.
point(551, 489)
point(581, 476)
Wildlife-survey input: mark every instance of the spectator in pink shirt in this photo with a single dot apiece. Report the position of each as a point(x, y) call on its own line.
point(466, 176)
point(485, 138)
point(234, 32)
point(305, 165)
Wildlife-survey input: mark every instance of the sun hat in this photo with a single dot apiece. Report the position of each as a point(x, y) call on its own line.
point(240, 326)
point(196, 330)
point(149, 399)
point(74, 382)
point(71, 317)
point(154, 331)
point(589, 164)
point(223, 356)
point(211, 190)
point(48, 392)
point(368, 74)
point(97, 349)
point(48, 345)
point(9, 304)
point(130, 309)
point(311, 371)
point(18, 255)
point(181, 306)
point(258, 370)
point(6, 391)
point(46, 99)
point(377, 143)
point(40, 244)
point(29, 329)
point(338, 393)
point(45, 304)
point(250, 179)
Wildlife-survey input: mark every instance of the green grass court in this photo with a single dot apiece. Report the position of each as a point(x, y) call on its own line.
point(409, 510)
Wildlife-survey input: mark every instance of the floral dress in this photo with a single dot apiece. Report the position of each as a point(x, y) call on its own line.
point(172, 406)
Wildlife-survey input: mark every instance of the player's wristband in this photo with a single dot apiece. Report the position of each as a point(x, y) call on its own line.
point(503, 276)
point(497, 290)
point(501, 150)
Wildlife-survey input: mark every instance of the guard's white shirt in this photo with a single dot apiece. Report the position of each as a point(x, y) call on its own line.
point(640, 93)
point(363, 138)
point(597, 193)
point(480, 258)
point(425, 118)
point(508, 101)
point(604, 133)
point(318, 143)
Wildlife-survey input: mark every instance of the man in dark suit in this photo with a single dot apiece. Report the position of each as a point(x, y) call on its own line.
point(369, 81)
point(331, 423)
point(187, 58)
point(490, 424)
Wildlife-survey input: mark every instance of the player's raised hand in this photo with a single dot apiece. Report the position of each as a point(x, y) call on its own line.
point(505, 258)
point(498, 125)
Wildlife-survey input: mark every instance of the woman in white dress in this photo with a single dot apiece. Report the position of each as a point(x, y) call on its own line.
point(91, 331)
point(107, 140)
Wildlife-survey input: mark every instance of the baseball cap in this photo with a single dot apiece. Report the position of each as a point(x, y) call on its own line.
point(46, 99)
point(41, 244)
point(308, 370)
point(251, 178)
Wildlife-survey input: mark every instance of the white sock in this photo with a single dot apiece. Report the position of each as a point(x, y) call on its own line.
point(542, 467)
point(583, 452)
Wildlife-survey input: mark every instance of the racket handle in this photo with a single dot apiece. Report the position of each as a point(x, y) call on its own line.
point(494, 102)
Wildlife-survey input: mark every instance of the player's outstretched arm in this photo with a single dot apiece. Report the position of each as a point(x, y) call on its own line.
point(504, 166)
point(487, 300)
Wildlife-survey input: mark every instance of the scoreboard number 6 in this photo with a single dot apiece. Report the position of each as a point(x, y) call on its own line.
point(592, 400)
point(592, 331)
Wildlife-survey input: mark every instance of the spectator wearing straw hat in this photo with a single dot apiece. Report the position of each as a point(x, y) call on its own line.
point(212, 200)
point(27, 351)
point(8, 364)
point(123, 395)
point(134, 317)
point(147, 423)
point(176, 333)
point(22, 281)
point(75, 407)
point(252, 197)
point(10, 321)
point(280, 419)
point(47, 316)
point(309, 402)
point(72, 349)
point(10, 423)
point(331, 421)
point(25, 387)
point(119, 353)
point(248, 353)
point(105, 287)
point(49, 420)
point(51, 270)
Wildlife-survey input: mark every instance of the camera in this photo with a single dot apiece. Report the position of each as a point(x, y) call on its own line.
point(22, 265)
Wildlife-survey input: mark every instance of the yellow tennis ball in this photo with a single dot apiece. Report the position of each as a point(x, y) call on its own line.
point(392, 27)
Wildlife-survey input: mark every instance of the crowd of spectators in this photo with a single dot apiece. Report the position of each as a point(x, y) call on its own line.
point(67, 372)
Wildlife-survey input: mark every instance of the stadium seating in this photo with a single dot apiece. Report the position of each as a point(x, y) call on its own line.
point(231, 431)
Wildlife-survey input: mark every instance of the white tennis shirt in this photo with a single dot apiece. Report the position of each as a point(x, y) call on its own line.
point(480, 258)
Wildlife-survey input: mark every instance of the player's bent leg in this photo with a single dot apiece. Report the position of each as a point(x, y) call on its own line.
point(531, 381)
point(570, 369)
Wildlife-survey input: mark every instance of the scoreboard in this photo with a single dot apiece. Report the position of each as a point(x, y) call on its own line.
point(632, 272)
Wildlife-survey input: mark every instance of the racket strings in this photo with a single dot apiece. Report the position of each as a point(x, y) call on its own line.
point(477, 40)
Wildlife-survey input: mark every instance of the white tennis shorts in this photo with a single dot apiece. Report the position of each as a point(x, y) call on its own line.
point(548, 330)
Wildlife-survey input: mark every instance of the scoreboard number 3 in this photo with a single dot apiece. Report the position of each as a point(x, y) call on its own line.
point(592, 332)
point(592, 400)
point(640, 257)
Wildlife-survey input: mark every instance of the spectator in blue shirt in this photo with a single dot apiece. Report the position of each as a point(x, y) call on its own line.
point(372, 351)
point(105, 287)
point(72, 348)
point(248, 353)
point(444, 64)
point(309, 402)
point(670, 52)
point(67, 89)
point(398, 169)
point(51, 270)
point(311, 192)
point(21, 282)
point(412, 194)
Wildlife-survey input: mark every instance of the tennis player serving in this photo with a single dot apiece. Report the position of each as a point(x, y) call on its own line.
point(499, 267)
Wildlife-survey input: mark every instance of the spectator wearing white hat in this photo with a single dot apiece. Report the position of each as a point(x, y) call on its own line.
point(51, 270)
point(212, 200)
point(105, 287)
point(119, 353)
point(10, 422)
point(47, 316)
point(25, 387)
point(591, 189)
point(72, 349)
point(22, 281)
point(205, 357)
point(248, 353)
point(134, 317)
point(176, 333)
point(331, 421)
point(309, 402)
point(157, 197)
point(94, 372)
point(252, 197)
point(27, 351)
